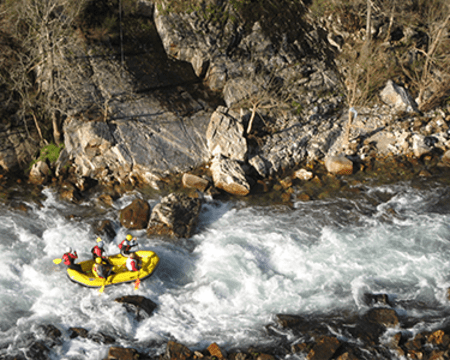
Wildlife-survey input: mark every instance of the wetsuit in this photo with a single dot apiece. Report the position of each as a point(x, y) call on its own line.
point(96, 252)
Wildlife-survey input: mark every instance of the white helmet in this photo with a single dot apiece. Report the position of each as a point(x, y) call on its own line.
point(69, 250)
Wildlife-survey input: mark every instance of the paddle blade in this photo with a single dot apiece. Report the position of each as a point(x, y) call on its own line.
point(57, 261)
point(103, 287)
point(137, 283)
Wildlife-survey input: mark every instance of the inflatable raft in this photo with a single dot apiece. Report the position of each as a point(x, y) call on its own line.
point(121, 274)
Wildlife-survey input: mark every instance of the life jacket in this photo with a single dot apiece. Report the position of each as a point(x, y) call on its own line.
point(125, 245)
point(132, 264)
point(97, 251)
point(69, 258)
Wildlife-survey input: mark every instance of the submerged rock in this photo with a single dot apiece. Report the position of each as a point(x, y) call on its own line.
point(136, 215)
point(136, 304)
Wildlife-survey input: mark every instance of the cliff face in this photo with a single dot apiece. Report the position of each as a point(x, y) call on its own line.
point(253, 90)
point(160, 103)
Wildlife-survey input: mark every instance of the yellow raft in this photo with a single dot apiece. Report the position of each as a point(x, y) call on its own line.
point(121, 274)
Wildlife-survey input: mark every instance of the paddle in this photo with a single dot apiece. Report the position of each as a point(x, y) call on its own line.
point(103, 287)
point(105, 282)
point(137, 283)
point(57, 261)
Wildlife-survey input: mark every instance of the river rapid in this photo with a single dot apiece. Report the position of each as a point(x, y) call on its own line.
point(245, 264)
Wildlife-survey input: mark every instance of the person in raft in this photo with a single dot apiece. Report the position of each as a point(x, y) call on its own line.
point(69, 260)
point(98, 251)
point(133, 262)
point(126, 245)
point(101, 270)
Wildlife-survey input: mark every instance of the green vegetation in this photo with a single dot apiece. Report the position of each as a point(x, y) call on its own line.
point(49, 153)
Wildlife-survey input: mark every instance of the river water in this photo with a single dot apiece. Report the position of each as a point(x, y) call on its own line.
point(225, 284)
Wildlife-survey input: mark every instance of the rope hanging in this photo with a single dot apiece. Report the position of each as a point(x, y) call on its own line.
point(121, 34)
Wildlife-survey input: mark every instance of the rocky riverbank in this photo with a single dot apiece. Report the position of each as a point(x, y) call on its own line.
point(378, 333)
point(227, 111)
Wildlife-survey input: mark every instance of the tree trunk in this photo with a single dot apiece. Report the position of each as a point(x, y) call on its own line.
point(56, 130)
point(369, 22)
point(428, 60)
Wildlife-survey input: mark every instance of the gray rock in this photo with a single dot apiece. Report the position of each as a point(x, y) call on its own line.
point(397, 97)
point(147, 149)
point(259, 165)
point(225, 135)
point(17, 148)
point(283, 150)
point(420, 147)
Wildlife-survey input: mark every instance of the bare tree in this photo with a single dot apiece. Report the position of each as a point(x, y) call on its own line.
point(48, 75)
point(262, 90)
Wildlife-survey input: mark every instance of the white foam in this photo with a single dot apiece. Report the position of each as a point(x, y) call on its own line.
point(227, 282)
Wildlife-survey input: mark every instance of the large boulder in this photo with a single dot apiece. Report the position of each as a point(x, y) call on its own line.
point(136, 215)
point(174, 216)
point(229, 176)
point(143, 139)
point(225, 135)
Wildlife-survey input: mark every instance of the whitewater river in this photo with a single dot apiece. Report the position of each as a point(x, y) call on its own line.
point(226, 283)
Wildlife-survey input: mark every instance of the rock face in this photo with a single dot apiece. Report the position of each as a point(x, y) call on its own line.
point(136, 215)
point(175, 216)
point(146, 149)
point(225, 136)
point(17, 147)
